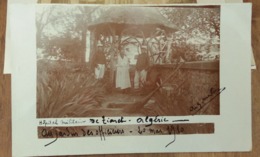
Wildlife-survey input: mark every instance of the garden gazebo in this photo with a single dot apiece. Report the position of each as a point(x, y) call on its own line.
point(140, 26)
point(117, 23)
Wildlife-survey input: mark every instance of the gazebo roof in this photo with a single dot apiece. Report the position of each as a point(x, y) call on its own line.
point(121, 17)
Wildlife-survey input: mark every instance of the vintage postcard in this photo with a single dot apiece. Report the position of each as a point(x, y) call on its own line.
point(103, 79)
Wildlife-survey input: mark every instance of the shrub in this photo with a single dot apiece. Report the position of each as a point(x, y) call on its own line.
point(66, 89)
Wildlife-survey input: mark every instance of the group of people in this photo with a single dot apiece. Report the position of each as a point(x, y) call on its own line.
point(122, 68)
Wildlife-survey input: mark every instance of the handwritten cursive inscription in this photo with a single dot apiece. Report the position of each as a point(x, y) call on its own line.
point(174, 130)
point(106, 120)
point(123, 130)
point(149, 125)
point(151, 120)
point(204, 102)
point(58, 133)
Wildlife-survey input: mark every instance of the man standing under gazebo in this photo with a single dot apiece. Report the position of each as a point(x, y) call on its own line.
point(142, 66)
point(99, 62)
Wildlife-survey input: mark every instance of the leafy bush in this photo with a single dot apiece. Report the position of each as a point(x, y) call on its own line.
point(66, 89)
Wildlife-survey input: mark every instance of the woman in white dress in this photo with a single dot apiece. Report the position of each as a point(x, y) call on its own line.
point(122, 71)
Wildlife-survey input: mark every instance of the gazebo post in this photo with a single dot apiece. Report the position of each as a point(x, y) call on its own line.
point(112, 57)
point(93, 44)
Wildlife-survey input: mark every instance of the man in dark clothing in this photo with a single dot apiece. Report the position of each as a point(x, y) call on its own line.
point(99, 62)
point(142, 66)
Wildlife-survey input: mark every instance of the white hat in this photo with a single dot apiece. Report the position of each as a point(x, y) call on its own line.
point(99, 43)
point(144, 47)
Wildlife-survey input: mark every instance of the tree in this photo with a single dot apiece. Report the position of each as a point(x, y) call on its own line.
point(200, 25)
point(199, 21)
point(61, 31)
point(43, 18)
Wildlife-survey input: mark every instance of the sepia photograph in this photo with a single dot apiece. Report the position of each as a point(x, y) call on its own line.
point(100, 60)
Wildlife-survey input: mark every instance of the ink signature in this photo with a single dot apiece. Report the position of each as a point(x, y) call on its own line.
point(204, 102)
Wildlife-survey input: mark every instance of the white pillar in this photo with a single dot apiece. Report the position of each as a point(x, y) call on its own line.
point(87, 55)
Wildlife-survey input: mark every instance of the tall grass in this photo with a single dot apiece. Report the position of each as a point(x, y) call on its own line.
point(66, 89)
